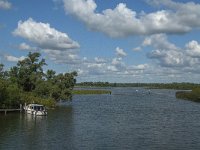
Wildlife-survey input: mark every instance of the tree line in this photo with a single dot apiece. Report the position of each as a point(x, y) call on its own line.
point(178, 86)
point(27, 83)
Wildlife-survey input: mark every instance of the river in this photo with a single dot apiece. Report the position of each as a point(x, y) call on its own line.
point(128, 119)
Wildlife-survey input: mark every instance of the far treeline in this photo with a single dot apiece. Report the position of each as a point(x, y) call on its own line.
point(177, 86)
point(193, 94)
point(27, 83)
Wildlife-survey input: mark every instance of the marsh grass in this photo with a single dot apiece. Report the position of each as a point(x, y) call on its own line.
point(193, 95)
point(84, 92)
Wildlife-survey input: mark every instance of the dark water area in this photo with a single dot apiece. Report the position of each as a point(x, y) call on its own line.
point(125, 120)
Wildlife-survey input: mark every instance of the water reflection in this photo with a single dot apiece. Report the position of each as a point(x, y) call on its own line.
point(26, 131)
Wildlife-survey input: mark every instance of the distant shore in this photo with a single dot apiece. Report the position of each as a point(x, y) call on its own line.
point(174, 85)
point(84, 92)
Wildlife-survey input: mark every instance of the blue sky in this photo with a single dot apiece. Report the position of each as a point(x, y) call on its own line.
point(115, 41)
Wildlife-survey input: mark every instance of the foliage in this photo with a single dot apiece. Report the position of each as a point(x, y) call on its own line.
point(3, 93)
point(13, 99)
point(91, 92)
point(28, 97)
point(29, 71)
point(26, 83)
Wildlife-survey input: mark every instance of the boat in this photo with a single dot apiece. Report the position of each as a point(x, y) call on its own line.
point(35, 109)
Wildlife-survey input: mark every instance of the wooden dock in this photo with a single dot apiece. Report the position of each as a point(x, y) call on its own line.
point(11, 110)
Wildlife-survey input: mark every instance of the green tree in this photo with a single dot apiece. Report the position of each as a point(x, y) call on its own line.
point(50, 74)
point(29, 71)
point(62, 86)
point(26, 82)
point(3, 73)
point(3, 93)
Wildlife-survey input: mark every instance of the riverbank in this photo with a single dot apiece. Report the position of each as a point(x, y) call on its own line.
point(193, 95)
point(84, 92)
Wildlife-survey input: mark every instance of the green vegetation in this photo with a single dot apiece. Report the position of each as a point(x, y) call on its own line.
point(180, 86)
point(193, 95)
point(91, 92)
point(27, 83)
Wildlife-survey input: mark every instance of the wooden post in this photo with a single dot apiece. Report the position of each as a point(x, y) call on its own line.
point(5, 112)
point(20, 107)
point(25, 107)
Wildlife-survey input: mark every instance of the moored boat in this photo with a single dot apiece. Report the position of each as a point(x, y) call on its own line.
point(35, 109)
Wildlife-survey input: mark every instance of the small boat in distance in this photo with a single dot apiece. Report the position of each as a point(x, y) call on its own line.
point(35, 109)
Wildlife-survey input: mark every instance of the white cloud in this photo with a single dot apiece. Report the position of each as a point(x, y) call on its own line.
point(24, 46)
point(4, 4)
point(169, 55)
point(170, 64)
point(44, 36)
point(112, 68)
point(137, 48)
point(139, 67)
point(13, 58)
point(120, 52)
point(174, 65)
point(122, 21)
point(58, 45)
point(99, 60)
point(193, 49)
point(63, 57)
point(159, 41)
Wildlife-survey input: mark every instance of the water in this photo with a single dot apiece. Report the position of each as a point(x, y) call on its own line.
point(127, 119)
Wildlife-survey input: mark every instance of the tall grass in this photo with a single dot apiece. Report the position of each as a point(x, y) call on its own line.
point(194, 95)
point(91, 92)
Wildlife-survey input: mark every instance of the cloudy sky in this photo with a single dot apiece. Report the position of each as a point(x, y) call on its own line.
point(115, 41)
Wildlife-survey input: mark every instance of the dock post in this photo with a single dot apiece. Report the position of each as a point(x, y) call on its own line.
point(5, 112)
point(25, 107)
point(20, 107)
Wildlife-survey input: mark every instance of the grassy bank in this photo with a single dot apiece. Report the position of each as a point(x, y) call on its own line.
point(91, 92)
point(193, 95)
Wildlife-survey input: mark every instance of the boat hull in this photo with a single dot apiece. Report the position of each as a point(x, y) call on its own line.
point(35, 109)
point(37, 113)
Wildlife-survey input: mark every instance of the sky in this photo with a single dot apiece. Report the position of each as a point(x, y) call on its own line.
point(123, 41)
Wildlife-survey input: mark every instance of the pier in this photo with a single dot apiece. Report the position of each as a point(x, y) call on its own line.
point(11, 110)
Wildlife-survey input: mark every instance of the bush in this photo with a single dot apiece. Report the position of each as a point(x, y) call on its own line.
point(13, 96)
point(29, 97)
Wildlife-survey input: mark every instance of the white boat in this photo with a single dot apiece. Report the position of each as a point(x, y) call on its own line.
point(35, 109)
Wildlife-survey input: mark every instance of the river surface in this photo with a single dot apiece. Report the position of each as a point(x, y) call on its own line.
point(128, 119)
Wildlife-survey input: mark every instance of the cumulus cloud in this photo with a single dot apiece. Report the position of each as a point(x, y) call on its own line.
point(122, 21)
point(100, 60)
point(57, 45)
point(4, 4)
point(63, 57)
point(120, 52)
point(174, 65)
point(13, 58)
point(169, 55)
point(193, 49)
point(159, 41)
point(44, 36)
point(24, 46)
point(139, 67)
point(110, 68)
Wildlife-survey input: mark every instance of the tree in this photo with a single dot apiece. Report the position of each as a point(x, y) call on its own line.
point(2, 72)
point(29, 71)
point(62, 86)
point(3, 92)
point(26, 82)
point(50, 74)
